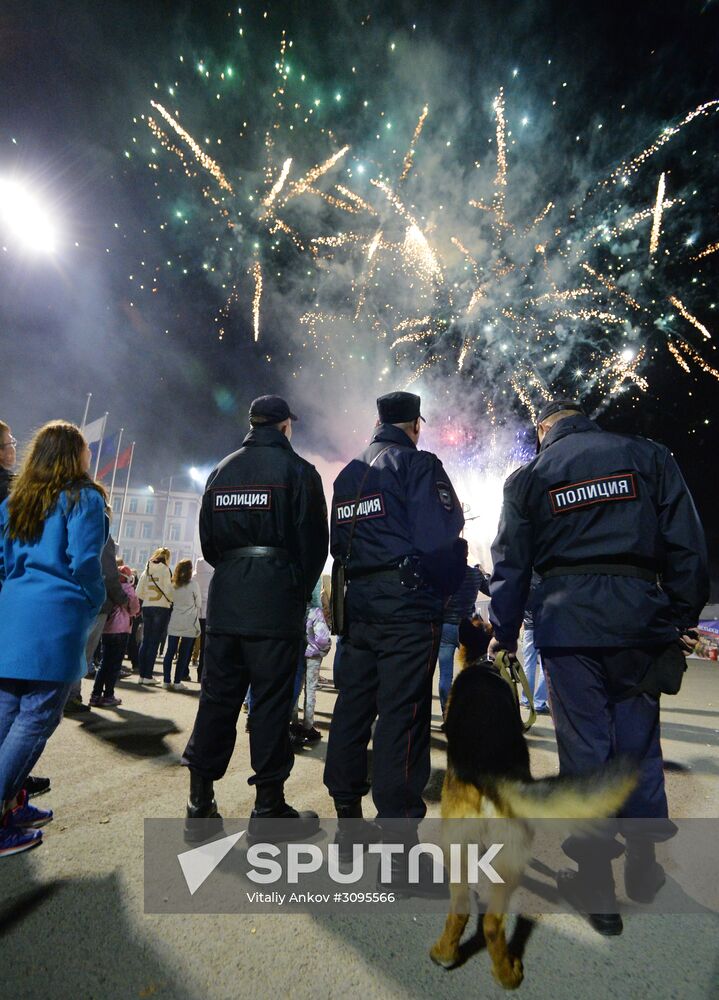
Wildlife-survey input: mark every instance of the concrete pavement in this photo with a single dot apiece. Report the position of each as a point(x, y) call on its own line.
point(71, 912)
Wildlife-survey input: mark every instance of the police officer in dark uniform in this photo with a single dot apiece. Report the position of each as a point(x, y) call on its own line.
point(608, 523)
point(263, 526)
point(395, 526)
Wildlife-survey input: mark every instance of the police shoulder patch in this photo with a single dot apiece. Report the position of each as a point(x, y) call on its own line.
point(446, 496)
point(588, 492)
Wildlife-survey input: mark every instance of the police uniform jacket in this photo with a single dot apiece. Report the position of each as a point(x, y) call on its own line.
point(594, 498)
point(407, 507)
point(263, 495)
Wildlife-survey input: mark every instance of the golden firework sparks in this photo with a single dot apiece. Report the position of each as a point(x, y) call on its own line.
point(409, 156)
point(657, 217)
point(689, 317)
point(207, 162)
point(256, 298)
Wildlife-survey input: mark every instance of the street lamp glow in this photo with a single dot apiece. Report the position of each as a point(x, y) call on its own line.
point(23, 215)
point(195, 475)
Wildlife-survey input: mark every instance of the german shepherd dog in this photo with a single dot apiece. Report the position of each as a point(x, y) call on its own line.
point(488, 778)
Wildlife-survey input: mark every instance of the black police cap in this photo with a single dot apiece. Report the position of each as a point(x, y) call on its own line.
point(270, 410)
point(398, 408)
point(556, 406)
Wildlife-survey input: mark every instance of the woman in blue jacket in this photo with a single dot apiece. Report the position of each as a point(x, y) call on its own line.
point(53, 527)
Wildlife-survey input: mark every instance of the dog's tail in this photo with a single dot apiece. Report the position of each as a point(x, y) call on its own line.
point(592, 796)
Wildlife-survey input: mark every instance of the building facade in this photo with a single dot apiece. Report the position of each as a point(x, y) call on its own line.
point(151, 519)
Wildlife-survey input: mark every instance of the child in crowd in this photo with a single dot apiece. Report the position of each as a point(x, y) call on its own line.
point(115, 636)
point(318, 646)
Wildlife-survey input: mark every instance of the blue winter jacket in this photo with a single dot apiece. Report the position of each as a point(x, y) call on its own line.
point(52, 590)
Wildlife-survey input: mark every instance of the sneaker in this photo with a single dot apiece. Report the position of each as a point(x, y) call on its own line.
point(148, 681)
point(96, 701)
point(74, 705)
point(24, 815)
point(179, 686)
point(167, 685)
point(312, 735)
point(14, 841)
point(125, 672)
point(36, 786)
point(110, 701)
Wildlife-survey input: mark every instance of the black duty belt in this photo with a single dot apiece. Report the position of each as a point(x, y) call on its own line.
point(378, 573)
point(256, 552)
point(601, 569)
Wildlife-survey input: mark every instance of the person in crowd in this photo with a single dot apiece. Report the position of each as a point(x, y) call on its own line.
point(396, 524)
point(53, 528)
point(263, 526)
point(184, 624)
point(155, 591)
point(318, 646)
point(203, 575)
point(459, 606)
point(34, 784)
point(114, 644)
point(532, 659)
point(135, 636)
point(608, 524)
point(116, 597)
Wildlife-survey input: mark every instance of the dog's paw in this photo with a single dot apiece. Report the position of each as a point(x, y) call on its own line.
point(447, 960)
point(509, 973)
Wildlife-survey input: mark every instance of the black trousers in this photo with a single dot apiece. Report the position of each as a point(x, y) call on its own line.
point(594, 723)
point(203, 640)
point(232, 663)
point(386, 674)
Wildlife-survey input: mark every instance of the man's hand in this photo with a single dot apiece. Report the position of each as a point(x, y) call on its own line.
point(689, 640)
point(495, 646)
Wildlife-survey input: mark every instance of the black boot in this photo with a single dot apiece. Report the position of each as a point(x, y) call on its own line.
point(590, 890)
point(353, 829)
point(202, 818)
point(643, 875)
point(423, 884)
point(269, 819)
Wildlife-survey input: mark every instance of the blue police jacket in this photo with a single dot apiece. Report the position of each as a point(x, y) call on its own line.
point(406, 506)
point(613, 500)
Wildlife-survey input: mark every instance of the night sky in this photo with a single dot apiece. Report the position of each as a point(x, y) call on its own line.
point(130, 305)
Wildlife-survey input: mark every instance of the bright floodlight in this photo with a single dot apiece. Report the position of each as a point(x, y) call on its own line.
point(196, 475)
point(23, 216)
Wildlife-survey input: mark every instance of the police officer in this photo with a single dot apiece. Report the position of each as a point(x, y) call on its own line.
point(609, 525)
point(395, 525)
point(263, 526)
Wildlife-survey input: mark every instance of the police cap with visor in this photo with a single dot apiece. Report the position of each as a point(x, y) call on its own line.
point(270, 410)
point(398, 408)
point(557, 406)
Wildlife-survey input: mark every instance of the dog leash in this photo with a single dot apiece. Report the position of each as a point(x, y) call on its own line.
point(512, 671)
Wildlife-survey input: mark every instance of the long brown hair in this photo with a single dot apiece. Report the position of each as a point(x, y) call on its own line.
point(183, 573)
point(53, 464)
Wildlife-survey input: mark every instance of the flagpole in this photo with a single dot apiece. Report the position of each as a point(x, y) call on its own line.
point(117, 457)
point(99, 446)
point(87, 407)
point(124, 496)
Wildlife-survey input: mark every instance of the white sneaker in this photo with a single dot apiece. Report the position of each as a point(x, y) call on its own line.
point(149, 681)
point(167, 687)
point(181, 687)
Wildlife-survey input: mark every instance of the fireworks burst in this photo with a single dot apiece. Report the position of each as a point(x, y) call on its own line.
point(522, 300)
